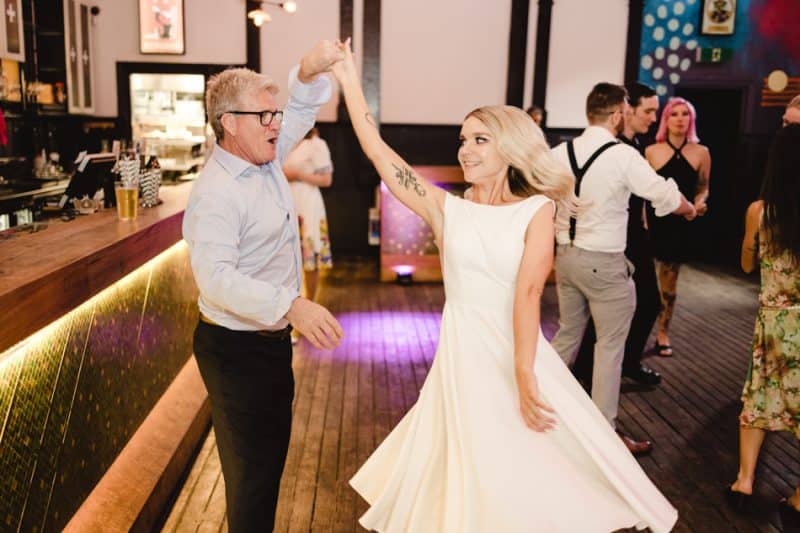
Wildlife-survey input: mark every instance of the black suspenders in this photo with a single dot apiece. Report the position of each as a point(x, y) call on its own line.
point(579, 173)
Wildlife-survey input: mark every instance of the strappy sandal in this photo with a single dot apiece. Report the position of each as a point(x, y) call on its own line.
point(663, 350)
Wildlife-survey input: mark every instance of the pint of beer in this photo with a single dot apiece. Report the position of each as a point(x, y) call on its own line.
point(127, 200)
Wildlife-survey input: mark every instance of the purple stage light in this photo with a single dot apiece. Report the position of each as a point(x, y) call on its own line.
point(403, 270)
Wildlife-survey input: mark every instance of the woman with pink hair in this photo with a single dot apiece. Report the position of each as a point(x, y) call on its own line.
point(677, 154)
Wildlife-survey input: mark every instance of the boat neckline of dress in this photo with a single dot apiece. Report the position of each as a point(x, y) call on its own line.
point(498, 205)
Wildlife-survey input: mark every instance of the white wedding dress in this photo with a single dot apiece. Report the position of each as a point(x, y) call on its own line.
point(462, 460)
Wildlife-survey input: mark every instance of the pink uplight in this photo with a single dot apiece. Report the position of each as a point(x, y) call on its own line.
point(403, 270)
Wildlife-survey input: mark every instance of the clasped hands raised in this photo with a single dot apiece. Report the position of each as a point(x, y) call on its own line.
point(327, 56)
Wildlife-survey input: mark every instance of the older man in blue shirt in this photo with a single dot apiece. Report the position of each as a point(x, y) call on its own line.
point(242, 232)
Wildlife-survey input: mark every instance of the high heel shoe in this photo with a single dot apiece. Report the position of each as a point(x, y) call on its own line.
point(790, 517)
point(739, 501)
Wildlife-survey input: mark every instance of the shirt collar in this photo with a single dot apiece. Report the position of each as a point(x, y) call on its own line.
point(630, 142)
point(233, 165)
point(599, 132)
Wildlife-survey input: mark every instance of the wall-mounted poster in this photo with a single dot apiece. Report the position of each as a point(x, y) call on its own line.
point(12, 45)
point(161, 29)
point(78, 48)
point(718, 17)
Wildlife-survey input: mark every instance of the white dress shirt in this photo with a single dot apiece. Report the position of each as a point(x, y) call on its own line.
point(606, 188)
point(241, 227)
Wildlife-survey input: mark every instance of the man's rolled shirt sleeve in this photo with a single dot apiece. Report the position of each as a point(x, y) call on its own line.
point(663, 193)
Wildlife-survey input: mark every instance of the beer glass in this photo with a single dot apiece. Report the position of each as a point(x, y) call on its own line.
point(127, 200)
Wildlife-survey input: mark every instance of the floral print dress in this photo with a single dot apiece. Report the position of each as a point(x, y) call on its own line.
point(771, 393)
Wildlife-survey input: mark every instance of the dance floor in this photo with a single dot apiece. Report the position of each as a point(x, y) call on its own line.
point(348, 400)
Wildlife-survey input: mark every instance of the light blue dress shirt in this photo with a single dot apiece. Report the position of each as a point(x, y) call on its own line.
point(241, 227)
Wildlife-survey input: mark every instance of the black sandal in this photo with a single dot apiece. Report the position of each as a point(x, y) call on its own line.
point(790, 517)
point(663, 350)
point(739, 501)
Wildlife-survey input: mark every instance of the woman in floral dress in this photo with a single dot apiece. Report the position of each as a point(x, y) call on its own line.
point(771, 392)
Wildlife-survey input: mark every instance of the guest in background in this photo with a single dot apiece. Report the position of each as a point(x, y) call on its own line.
point(677, 154)
point(308, 168)
point(537, 114)
point(792, 113)
point(639, 116)
point(594, 276)
point(771, 392)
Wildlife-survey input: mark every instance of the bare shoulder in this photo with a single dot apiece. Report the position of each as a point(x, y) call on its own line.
point(697, 149)
point(657, 149)
point(754, 210)
point(657, 153)
point(544, 215)
point(705, 151)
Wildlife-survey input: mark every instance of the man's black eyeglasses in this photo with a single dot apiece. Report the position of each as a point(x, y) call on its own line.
point(265, 117)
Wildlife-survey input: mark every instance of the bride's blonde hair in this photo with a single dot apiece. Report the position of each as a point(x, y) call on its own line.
point(532, 169)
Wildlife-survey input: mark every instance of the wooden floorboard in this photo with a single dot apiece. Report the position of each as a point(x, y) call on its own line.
point(347, 401)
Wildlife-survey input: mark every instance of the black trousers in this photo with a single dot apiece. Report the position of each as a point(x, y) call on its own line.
point(251, 386)
point(648, 306)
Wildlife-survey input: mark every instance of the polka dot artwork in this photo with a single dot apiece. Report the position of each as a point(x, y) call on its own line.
point(670, 40)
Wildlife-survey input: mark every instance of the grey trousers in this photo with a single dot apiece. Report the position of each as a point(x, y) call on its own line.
point(600, 284)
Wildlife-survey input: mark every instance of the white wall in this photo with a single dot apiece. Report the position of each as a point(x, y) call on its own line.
point(441, 59)
point(587, 46)
point(530, 53)
point(215, 34)
point(288, 37)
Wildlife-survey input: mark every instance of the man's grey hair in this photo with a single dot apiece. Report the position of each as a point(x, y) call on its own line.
point(794, 102)
point(227, 91)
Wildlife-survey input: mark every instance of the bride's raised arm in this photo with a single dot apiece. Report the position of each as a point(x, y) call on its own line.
point(414, 191)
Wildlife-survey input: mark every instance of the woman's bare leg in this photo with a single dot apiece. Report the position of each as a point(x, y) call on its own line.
point(668, 284)
point(750, 441)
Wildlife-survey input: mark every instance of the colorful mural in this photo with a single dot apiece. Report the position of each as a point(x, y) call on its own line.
point(671, 39)
point(764, 47)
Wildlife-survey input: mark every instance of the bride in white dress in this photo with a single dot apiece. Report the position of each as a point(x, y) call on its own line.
point(502, 437)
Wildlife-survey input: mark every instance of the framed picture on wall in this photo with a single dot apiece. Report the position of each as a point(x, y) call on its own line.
point(718, 17)
point(12, 44)
point(161, 27)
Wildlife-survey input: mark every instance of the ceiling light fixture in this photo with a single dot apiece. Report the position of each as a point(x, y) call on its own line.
point(259, 16)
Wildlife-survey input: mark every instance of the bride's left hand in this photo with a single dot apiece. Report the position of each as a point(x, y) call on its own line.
point(533, 408)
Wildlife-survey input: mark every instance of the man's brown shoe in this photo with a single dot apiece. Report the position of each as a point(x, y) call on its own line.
point(636, 447)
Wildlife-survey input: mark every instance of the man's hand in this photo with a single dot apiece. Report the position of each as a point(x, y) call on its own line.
point(701, 207)
point(320, 59)
point(692, 214)
point(315, 323)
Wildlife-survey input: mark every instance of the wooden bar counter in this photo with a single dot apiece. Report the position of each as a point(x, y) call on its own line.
point(101, 403)
point(44, 275)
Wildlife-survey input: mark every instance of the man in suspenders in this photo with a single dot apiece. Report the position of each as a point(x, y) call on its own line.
point(641, 115)
point(593, 274)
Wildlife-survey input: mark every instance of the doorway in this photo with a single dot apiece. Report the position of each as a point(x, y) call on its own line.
point(719, 126)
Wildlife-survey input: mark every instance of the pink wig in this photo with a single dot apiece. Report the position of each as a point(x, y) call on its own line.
point(691, 133)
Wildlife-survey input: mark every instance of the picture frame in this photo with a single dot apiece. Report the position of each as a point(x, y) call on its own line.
point(78, 31)
point(718, 17)
point(12, 42)
point(162, 28)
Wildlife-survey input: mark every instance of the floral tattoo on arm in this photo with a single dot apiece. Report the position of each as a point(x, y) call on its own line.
point(408, 180)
